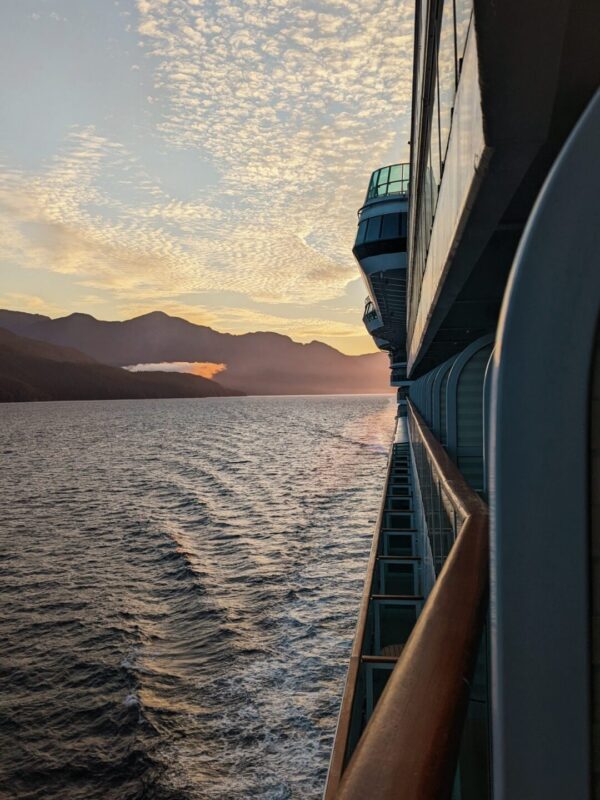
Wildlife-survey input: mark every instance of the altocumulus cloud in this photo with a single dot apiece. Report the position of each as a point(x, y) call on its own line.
point(291, 103)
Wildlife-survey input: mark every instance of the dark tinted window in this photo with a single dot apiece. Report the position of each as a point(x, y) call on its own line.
point(362, 229)
point(403, 225)
point(373, 228)
point(390, 226)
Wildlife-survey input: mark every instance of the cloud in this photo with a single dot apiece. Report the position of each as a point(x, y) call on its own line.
point(292, 104)
point(29, 303)
point(205, 369)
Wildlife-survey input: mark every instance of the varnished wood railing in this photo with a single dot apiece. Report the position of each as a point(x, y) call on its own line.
point(410, 746)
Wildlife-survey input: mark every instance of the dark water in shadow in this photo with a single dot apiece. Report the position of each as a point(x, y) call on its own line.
point(179, 585)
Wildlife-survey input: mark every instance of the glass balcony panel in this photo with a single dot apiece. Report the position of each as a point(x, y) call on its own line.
point(436, 164)
point(383, 175)
point(434, 182)
point(396, 621)
point(446, 74)
point(395, 186)
point(427, 206)
point(396, 172)
point(399, 578)
point(464, 9)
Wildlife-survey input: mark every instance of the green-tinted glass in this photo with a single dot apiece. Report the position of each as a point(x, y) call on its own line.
point(396, 172)
point(383, 175)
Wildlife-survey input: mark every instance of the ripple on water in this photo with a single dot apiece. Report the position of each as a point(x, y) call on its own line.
point(180, 581)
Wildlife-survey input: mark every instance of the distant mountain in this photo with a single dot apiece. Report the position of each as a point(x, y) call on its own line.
point(34, 370)
point(257, 363)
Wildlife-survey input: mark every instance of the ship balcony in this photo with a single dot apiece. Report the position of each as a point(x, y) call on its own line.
point(398, 374)
point(371, 318)
point(381, 343)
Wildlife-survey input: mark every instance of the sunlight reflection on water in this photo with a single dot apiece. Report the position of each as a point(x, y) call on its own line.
point(180, 589)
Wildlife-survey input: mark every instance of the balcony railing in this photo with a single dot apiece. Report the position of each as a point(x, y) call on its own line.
point(410, 746)
point(391, 180)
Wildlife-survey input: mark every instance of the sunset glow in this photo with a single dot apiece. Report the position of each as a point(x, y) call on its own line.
point(201, 158)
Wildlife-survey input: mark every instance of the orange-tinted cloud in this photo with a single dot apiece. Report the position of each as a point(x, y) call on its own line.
point(204, 369)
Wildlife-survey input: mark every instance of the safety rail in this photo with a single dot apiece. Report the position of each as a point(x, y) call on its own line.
point(410, 746)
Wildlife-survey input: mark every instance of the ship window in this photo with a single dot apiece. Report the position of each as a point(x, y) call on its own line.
point(390, 225)
point(383, 175)
point(373, 228)
point(396, 172)
point(362, 229)
point(403, 222)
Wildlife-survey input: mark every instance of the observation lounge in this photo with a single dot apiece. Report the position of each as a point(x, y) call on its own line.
point(380, 249)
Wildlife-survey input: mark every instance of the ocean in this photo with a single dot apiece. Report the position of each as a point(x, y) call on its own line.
point(180, 581)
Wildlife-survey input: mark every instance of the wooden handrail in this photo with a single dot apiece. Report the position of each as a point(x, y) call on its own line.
point(410, 746)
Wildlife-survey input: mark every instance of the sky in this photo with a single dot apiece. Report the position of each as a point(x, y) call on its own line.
point(205, 158)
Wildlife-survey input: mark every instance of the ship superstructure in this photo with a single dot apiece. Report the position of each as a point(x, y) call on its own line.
point(482, 267)
point(380, 249)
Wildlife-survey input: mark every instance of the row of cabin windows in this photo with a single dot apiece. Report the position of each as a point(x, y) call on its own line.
point(456, 17)
point(386, 226)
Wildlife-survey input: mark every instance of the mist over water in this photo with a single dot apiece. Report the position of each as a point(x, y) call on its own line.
point(180, 581)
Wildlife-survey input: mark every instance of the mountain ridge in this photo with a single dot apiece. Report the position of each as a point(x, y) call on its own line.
point(34, 370)
point(259, 362)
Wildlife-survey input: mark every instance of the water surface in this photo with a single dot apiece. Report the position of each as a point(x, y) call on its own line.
point(179, 586)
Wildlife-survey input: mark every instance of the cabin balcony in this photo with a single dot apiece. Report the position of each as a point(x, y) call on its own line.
point(371, 318)
point(381, 343)
point(398, 374)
